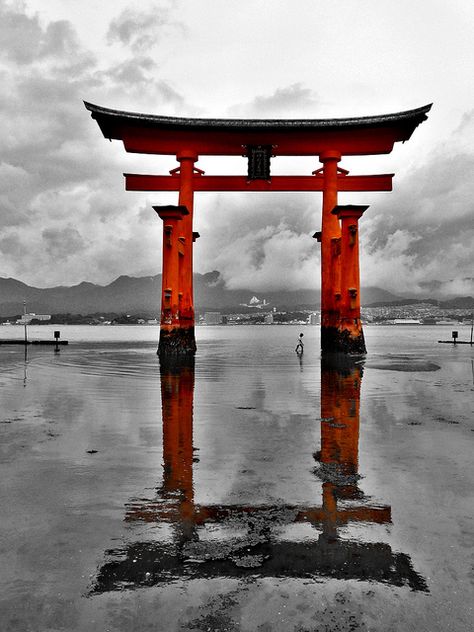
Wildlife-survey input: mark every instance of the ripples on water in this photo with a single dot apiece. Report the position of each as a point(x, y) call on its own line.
point(251, 465)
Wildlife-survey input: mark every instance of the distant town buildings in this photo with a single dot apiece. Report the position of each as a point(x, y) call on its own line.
point(413, 314)
point(212, 318)
point(256, 302)
point(406, 321)
point(422, 313)
point(27, 318)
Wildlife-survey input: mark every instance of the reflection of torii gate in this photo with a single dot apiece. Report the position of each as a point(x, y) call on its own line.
point(259, 140)
point(260, 552)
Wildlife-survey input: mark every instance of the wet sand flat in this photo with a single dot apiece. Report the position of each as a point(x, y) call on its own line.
point(253, 490)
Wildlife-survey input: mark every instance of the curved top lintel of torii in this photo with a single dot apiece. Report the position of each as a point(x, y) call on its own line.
point(150, 133)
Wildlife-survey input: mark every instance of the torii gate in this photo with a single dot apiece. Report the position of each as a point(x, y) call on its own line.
point(259, 141)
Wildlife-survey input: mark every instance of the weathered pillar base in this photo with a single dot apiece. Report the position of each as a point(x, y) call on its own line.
point(177, 342)
point(342, 340)
point(340, 364)
point(176, 364)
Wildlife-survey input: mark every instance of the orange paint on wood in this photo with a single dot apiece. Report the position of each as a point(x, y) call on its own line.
point(349, 216)
point(144, 182)
point(186, 198)
point(172, 217)
point(289, 143)
point(330, 230)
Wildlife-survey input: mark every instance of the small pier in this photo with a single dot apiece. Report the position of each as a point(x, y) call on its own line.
point(454, 340)
point(24, 341)
point(50, 343)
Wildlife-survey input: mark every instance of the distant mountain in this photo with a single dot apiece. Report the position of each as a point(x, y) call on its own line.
point(462, 302)
point(370, 295)
point(141, 295)
point(444, 290)
point(402, 301)
point(124, 295)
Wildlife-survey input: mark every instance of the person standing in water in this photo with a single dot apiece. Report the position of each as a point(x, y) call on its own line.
point(300, 345)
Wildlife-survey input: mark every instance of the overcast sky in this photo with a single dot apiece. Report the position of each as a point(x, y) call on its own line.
point(66, 217)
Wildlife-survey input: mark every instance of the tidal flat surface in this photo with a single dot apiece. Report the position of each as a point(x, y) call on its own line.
point(255, 491)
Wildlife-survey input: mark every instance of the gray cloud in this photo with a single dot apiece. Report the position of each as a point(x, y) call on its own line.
point(260, 241)
point(131, 71)
point(424, 231)
point(61, 180)
point(23, 40)
point(60, 40)
point(140, 74)
point(143, 30)
point(294, 100)
point(62, 243)
point(20, 36)
point(15, 188)
point(10, 245)
point(271, 258)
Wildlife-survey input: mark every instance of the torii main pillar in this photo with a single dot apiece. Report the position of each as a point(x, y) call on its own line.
point(187, 342)
point(177, 313)
point(330, 245)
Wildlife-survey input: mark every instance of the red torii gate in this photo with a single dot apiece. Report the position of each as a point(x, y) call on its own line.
point(259, 140)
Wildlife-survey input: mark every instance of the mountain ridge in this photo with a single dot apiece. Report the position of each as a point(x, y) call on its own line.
point(134, 295)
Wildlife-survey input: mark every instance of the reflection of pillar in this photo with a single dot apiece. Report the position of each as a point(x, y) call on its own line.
point(177, 392)
point(340, 402)
point(172, 338)
point(186, 198)
point(351, 336)
point(330, 231)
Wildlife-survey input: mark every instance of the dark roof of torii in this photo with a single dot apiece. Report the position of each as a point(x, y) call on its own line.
point(117, 124)
point(108, 115)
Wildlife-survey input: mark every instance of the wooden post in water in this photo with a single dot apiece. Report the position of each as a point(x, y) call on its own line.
point(24, 318)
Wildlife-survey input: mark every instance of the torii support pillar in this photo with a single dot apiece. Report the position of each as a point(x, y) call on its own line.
point(350, 336)
point(176, 333)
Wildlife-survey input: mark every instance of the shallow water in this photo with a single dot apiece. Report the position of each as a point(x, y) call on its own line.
point(256, 490)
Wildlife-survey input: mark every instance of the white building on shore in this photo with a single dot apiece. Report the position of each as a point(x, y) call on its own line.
point(27, 318)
